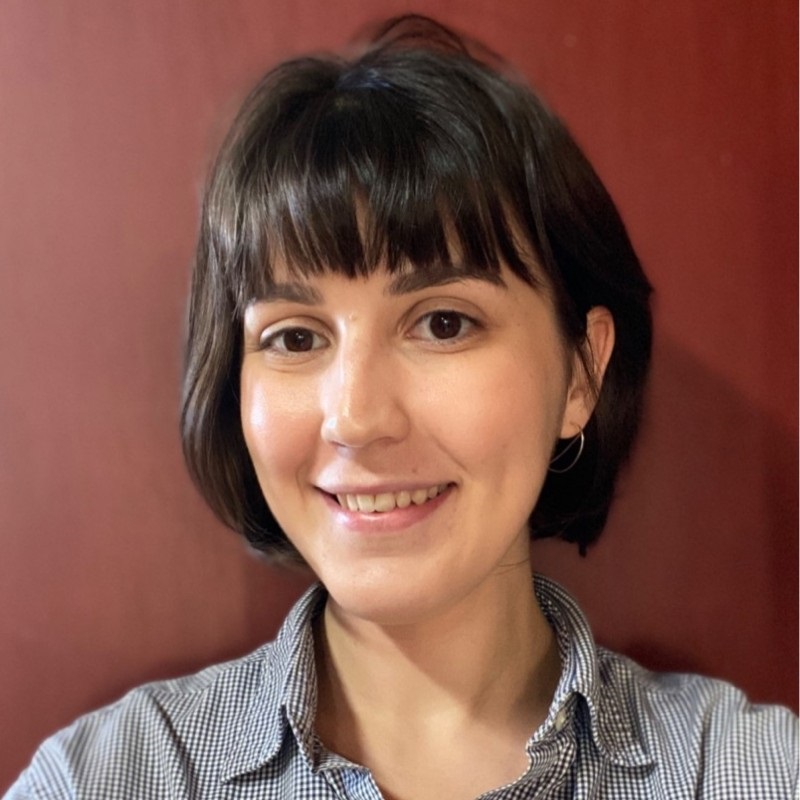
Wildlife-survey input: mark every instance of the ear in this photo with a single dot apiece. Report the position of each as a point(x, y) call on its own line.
point(585, 385)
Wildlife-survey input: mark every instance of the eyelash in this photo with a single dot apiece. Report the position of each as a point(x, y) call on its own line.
point(465, 321)
point(468, 326)
point(270, 342)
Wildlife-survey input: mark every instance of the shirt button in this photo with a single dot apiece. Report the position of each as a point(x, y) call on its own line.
point(560, 720)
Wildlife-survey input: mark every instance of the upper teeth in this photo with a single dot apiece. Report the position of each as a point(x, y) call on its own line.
point(388, 501)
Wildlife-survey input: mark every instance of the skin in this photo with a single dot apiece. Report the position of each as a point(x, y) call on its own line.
point(374, 386)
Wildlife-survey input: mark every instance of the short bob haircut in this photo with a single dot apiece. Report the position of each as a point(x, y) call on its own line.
point(420, 147)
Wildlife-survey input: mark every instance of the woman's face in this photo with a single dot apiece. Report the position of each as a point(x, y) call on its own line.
point(401, 428)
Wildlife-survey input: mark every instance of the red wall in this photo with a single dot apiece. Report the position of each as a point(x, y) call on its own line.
point(112, 570)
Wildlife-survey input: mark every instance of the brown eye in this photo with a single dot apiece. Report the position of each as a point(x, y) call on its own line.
point(445, 328)
point(298, 340)
point(445, 324)
point(291, 341)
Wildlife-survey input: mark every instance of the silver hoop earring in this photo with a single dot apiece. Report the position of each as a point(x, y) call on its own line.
point(559, 457)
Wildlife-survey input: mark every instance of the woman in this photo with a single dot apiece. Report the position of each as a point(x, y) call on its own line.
point(418, 336)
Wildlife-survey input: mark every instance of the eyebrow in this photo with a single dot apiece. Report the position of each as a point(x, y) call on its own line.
point(405, 283)
point(440, 274)
point(292, 292)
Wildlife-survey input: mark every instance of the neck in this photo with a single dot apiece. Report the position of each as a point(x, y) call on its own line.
point(489, 660)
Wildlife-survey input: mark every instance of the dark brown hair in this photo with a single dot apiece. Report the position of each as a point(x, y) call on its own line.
point(445, 151)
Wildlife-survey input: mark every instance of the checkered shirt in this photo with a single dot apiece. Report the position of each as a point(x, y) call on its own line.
point(245, 729)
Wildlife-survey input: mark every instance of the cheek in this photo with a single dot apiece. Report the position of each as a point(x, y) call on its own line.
point(509, 411)
point(279, 426)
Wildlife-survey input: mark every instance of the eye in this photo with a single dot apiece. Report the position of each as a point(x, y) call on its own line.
point(444, 325)
point(292, 340)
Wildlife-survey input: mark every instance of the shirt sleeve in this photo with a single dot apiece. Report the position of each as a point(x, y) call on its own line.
point(119, 751)
point(749, 751)
point(46, 778)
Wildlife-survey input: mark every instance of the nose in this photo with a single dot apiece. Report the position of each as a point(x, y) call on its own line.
point(362, 398)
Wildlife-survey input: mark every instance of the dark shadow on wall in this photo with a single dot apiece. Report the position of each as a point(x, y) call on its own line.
point(698, 569)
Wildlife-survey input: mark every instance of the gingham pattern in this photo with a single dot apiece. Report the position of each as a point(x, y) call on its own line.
point(245, 730)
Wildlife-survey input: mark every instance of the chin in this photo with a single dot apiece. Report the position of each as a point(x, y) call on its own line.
point(383, 597)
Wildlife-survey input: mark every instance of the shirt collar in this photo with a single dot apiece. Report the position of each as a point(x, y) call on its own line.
point(615, 727)
point(287, 696)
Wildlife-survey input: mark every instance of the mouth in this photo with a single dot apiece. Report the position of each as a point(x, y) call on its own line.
point(389, 501)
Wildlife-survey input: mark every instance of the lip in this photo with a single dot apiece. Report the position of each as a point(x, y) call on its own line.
point(378, 488)
point(395, 521)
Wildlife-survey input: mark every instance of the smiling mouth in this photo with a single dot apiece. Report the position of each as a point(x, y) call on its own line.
point(388, 501)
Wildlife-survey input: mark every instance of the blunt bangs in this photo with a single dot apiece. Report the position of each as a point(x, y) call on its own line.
point(368, 170)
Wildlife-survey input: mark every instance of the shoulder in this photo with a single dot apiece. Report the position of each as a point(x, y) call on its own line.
point(707, 729)
point(187, 736)
point(151, 736)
